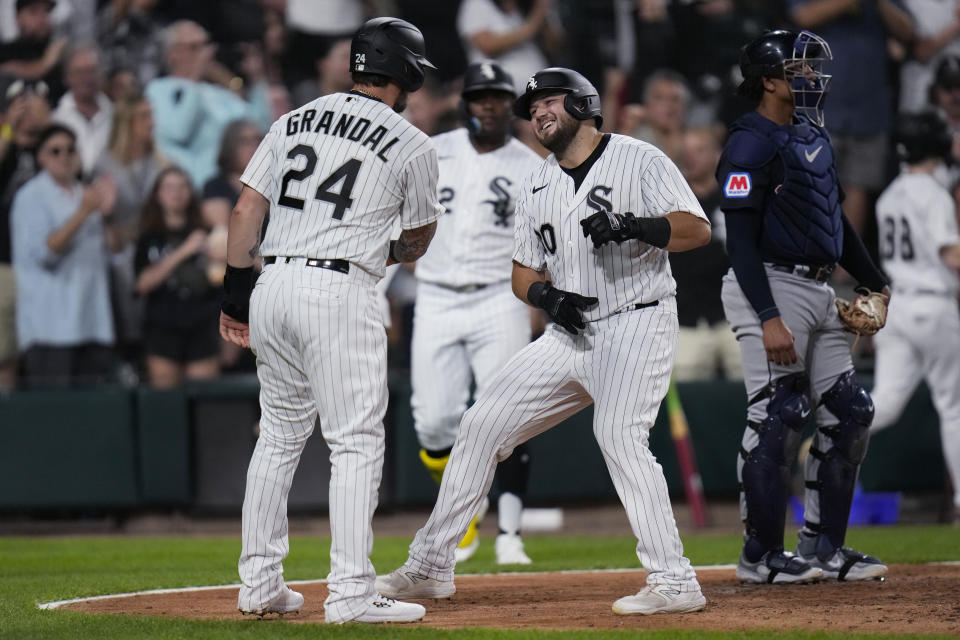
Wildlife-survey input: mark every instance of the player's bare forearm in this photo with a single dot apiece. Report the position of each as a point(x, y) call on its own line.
point(411, 244)
point(687, 231)
point(246, 219)
point(522, 278)
point(951, 256)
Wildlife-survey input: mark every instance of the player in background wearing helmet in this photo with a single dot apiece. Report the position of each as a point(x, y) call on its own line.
point(920, 251)
point(786, 232)
point(599, 216)
point(336, 174)
point(467, 322)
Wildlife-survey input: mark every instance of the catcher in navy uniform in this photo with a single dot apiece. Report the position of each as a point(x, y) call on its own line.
point(786, 232)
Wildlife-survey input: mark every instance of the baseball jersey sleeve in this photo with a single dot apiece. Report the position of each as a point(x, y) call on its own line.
point(664, 190)
point(941, 220)
point(260, 174)
point(528, 250)
point(421, 204)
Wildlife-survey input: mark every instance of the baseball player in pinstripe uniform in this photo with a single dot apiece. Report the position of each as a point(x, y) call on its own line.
point(335, 175)
point(599, 216)
point(920, 249)
point(467, 320)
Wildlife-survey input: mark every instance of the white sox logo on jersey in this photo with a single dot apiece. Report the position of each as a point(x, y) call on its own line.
point(501, 202)
point(600, 204)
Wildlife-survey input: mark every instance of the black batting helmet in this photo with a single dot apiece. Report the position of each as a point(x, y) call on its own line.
point(390, 47)
point(764, 57)
point(582, 100)
point(487, 76)
point(921, 136)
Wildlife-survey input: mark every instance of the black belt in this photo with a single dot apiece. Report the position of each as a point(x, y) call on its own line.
point(640, 305)
point(464, 288)
point(818, 272)
point(320, 263)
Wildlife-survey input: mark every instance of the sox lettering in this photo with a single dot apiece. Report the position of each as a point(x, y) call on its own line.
point(501, 203)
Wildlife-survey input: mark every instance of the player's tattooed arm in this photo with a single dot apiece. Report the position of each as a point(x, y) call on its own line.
point(411, 244)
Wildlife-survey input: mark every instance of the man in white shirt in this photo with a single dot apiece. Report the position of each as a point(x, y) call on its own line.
point(85, 108)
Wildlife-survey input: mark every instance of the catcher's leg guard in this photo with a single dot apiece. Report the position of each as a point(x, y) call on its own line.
point(839, 450)
point(765, 472)
point(435, 462)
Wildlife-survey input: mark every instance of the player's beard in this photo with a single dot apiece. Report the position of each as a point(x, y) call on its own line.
point(563, 134)
point(401, 103)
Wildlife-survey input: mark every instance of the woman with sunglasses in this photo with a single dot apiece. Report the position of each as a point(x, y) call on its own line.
point(60, 244)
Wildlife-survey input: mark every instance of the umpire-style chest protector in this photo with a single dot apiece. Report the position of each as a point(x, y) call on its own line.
point(803, 219)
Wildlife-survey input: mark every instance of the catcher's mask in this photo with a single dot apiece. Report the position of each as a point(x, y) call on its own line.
point(797, 58)
point(804, 73)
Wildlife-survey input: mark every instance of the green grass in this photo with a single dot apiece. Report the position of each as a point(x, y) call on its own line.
point(34, 570)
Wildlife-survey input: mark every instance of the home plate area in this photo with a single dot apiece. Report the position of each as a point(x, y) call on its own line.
point(922, 599)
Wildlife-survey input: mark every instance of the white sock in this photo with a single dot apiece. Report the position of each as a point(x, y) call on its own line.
point(509, 509)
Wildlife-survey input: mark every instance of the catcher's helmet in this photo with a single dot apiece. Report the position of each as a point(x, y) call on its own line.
point(391, 47)
point(796, 57)
point(582, 100)
point(921, 136)
point(487, 76)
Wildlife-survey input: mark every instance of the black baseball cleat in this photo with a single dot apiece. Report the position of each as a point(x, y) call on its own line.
point(777, 567)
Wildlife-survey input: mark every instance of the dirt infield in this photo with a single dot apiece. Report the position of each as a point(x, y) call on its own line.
point(913, 599)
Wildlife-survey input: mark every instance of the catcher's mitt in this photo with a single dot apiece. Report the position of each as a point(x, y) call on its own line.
point(864, 315)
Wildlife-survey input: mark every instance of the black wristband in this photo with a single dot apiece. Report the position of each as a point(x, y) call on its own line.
point(654, 231)
point(535, 294)
point(237, 286)
point(391, 254)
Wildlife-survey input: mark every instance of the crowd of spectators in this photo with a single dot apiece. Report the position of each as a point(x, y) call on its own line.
point(125, 125)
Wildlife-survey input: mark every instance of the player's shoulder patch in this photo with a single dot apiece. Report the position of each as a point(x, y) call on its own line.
point(737, 184)
point(749, 149)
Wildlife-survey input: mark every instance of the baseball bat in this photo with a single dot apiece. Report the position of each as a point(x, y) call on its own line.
point(680, 433)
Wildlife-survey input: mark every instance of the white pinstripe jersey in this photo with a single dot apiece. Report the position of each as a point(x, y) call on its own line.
point(915, 219)
point(630, 175)
point(474, 241)
point(338, 171)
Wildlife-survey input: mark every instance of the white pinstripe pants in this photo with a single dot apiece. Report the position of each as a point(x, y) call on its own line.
point(321, 352)
point(623, 364)
point(456, 336)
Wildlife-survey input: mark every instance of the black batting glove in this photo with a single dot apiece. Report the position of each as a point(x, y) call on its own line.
point(564, 307)
point(600, 228)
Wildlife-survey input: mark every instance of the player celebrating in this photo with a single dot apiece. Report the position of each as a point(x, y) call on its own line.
point(785, 233)
point(920, 250)
point(466, 317)
point(600, 215)
point(336, 174)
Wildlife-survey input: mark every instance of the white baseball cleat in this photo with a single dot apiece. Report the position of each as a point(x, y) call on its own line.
point(660, 598)
point(509, 547)
point(287, 601)
point(406, 583)
point(383, 609)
